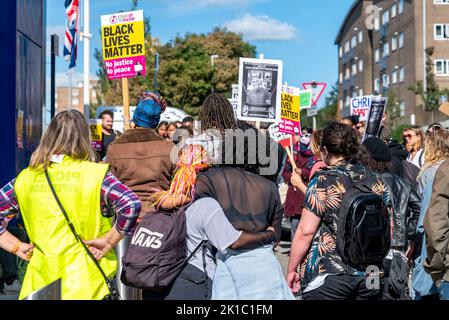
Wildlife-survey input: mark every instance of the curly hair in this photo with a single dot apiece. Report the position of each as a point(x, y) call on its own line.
point(340, 139)
point(436, 147)
point(374, 165)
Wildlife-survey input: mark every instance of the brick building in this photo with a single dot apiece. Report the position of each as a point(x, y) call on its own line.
point(62, 96)
point(381, 47)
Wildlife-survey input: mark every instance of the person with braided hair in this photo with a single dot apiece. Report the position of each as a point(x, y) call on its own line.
point(140, 158)
point(216, 115)
point(208, 231)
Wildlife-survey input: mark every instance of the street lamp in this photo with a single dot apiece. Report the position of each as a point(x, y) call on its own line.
point(212, 58)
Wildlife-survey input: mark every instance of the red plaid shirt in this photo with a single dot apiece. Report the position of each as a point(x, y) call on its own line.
point(114, 195)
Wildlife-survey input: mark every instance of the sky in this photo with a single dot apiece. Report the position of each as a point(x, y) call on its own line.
point(301, 33)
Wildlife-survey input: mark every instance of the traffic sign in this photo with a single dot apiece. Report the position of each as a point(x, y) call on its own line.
point(312, 112)
point(317, 89)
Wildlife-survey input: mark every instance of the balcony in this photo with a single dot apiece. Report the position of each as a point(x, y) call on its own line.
point(383, 64)
point(348, 56)
point(348, 83)
point(383, 32)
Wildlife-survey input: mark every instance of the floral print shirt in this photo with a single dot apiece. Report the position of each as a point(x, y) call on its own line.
point(323, 199)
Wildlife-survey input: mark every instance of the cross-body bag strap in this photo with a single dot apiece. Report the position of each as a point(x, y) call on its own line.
point(77, 237)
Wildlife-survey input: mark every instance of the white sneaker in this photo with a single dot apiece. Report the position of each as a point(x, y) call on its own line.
point(13, 287)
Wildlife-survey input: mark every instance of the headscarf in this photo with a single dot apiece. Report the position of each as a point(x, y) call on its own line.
point(150, 105)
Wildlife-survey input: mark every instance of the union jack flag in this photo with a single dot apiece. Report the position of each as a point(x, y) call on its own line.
point(70, 43)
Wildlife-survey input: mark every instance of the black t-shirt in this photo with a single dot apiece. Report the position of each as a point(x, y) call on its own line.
point(105, 141)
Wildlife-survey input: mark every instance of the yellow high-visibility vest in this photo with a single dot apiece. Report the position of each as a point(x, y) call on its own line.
point(57, 254)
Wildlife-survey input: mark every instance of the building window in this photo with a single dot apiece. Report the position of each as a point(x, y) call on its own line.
point(75, 92)
point(386, 50)
point(341, 77)
point(394, 11)
point(347, 74)
point(394, 43)
point(341, 103)
point(442, 67)
point(354, 69)
point(353, 42)
point(441, 31)
point(401, 6)
point(354, 93)
point(75, 102)
point(402, 108)
point(441, 1)
point(346, 46)
point(385, 81)
point(401, 40)
point(360, 36)
point(376, 85)
point(340, 51)
point(376, 55)
point(347, 101)
point(401, 74)
point(360, 92)
point(385, 17)
point(394, 77)
point(360, 65)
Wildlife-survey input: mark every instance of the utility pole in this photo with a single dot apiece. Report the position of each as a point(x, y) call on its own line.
point(86, 35)
point(54, 53)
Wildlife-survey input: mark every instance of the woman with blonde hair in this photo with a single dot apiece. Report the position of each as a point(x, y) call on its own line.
point(414, 139)
point(67, 202)
point(435, 153)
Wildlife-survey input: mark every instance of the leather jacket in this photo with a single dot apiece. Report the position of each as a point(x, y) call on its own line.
point(406, 208)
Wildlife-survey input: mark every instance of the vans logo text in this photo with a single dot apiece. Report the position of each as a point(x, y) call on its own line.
point(146, 238)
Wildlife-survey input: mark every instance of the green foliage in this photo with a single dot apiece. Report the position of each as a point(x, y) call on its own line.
point(393, 110)
point(186, 75)
point(396, 133)
point(430, 97)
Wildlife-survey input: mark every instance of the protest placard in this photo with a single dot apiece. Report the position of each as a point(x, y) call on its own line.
point(305, 99)
point(290, 111)
point(259, 95)
point(123, 40)
point(95, 133)
point(360, 107)
point(376, 113)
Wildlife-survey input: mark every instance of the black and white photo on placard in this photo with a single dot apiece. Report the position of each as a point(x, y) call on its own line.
point(260, 84)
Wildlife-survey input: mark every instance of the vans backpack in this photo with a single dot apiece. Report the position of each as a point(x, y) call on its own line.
point(363, 234)
point(157, 252)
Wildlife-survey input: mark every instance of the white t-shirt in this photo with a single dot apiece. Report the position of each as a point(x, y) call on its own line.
point(206, 220)
point(418, 160)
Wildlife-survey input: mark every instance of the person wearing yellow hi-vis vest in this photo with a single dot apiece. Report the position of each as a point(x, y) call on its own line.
point(90, 195)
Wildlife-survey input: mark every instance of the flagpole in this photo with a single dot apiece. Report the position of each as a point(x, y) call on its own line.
point(86, 37)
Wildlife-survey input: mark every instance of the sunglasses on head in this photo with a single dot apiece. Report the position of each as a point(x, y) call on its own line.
point(434, 127)
point(306, 135)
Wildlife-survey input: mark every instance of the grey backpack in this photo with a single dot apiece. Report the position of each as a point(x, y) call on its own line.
point(157, 252)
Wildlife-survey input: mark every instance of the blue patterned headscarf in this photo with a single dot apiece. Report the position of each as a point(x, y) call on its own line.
point(150, 105)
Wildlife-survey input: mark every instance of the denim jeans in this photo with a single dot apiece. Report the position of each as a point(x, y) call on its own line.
point(443, 290)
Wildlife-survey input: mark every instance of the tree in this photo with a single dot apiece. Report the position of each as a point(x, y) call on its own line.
point(186, 75)
point(393, 110)
point(430, 96)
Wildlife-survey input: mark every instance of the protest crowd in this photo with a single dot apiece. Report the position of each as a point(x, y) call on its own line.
point(369, 214)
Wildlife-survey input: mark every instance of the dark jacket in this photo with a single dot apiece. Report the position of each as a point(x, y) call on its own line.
point(406, 208)
point(140, 159)
point(436, 226)
point(294, 201)
point(400, 166)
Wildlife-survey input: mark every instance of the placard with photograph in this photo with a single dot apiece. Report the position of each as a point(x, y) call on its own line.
point(260, 84)
point(376, 113)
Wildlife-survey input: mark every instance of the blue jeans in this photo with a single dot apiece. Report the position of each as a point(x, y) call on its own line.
point(443, 290)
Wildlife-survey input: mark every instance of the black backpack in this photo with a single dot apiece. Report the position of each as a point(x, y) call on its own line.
point(157, 252)
point(363, 234)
